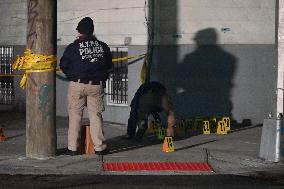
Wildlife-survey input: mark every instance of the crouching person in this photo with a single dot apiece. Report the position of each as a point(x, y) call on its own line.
point(150, 98)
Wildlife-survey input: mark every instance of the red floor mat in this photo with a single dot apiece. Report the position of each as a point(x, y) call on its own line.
point(157, 166)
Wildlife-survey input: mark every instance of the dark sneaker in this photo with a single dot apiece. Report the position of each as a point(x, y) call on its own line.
point(72, 153)
point(103, 152)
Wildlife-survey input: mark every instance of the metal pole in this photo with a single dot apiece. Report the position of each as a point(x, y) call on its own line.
point(280, 84)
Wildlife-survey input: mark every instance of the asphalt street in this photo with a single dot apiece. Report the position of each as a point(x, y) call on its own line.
point(137, 182)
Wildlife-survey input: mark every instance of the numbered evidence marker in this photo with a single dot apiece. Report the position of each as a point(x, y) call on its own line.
point(168, 145)
point(161, 133)
point(221, 129)
point(227, 123)
point(206, 128)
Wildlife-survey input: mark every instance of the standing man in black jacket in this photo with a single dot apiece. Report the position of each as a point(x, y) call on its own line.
point(86, 63)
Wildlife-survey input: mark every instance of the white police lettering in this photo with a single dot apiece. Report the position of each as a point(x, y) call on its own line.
point(81, 45)
point(91, 50)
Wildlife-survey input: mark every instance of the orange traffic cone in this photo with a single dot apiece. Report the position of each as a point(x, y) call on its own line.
point(89, 145)
point(168, 145)
point(86, 144)
point(2, 136)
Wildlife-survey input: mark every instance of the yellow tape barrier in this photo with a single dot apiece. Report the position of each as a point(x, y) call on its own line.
point(40, 63)
point(128, 57)
point(143, 73)
point(32, 63)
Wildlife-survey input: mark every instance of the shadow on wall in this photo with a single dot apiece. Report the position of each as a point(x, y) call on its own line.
point(204, 79)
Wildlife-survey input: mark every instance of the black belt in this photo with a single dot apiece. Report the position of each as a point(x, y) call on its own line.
point(89, 82)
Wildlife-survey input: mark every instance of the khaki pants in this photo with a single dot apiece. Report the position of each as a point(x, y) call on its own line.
point(79, 96)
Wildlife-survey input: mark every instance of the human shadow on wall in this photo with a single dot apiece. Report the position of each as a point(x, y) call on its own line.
point(204, 80)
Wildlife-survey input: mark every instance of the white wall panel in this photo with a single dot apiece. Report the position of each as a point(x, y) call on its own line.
point(13, 14)
point(114, 20)
point(249, 21)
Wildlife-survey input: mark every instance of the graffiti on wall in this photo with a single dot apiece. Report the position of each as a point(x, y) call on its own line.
point(44, 98)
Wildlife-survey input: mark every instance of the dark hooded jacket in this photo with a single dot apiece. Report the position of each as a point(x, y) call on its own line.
point(86, 59)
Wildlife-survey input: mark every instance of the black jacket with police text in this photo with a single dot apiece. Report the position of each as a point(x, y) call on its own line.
point(88, 59)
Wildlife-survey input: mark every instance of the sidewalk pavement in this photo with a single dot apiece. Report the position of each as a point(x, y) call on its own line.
point(234, 153)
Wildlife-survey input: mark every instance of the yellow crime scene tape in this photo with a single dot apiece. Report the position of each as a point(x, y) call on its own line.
point(33, 63)
point(143, 72)
point(128, 57)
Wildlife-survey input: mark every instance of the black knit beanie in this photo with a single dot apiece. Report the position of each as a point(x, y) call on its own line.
point(86, 26)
